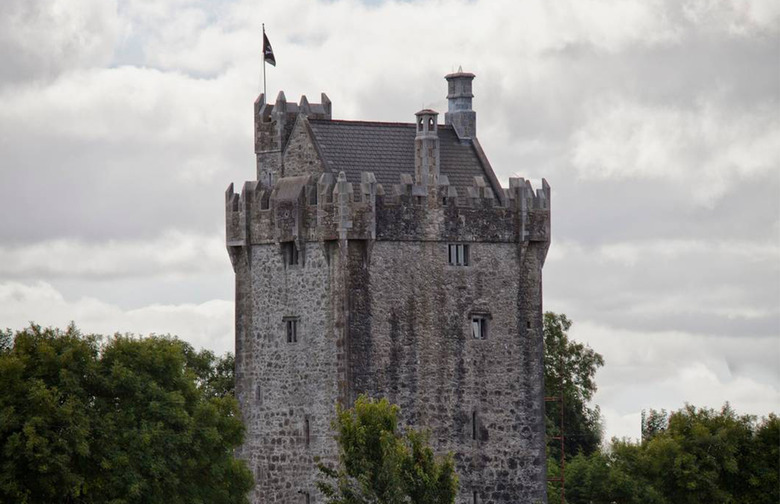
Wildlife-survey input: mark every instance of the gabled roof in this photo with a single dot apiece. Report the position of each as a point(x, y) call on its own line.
point(387, 150)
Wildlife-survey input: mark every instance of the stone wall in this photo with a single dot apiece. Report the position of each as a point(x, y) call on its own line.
point(410, 341)
point(282, 385)
point(300, 157)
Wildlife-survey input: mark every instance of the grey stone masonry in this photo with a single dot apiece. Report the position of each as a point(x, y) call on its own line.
point(459, 113)
point(421, 291)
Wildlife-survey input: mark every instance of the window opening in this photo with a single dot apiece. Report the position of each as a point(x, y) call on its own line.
point(458, 254)
point(306, 431)
point(291, 329)
point(528, 324)
point(474, 424)
point(476, 497)
point(479, 326)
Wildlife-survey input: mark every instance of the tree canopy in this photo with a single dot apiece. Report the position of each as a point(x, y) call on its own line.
point(569, 371)
point(120, 420)
point(380, 463)
point(699, 455)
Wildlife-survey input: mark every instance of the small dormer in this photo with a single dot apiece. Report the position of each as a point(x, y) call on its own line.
point(426, 148)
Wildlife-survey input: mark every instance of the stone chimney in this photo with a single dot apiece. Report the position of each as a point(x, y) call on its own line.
point(426, 148)
point(459, 114)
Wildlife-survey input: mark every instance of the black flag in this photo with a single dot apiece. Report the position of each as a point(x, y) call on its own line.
point(268, 52)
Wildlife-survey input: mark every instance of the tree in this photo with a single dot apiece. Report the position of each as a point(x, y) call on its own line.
point(601, 477)
point(124, 420)
point(380, 464)
point(653, 422)
point(569, 370)
point(699, 455)
point(713, 456)
point(764, 463)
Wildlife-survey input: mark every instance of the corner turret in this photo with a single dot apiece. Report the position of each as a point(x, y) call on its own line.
point(273, 124)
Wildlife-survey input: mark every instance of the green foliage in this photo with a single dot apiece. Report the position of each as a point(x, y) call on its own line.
point(653, 422)
point(600, 477)
point(573, 367)
point(6, 340)
point(686, 457)
point(380, 464)
point(122, 421)
point(710, 456)
point(700, 455)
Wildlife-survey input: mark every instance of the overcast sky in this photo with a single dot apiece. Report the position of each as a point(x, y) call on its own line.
point(657, 124)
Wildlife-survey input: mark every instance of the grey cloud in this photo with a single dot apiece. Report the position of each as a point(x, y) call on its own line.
point(132, 159)
point(40, 39)
point(131, 153)
point(697, 292)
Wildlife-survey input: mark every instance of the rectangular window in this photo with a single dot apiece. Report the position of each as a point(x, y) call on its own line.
point(458, 254)
point(291, 329)
point(479, 326)
point(474, 424)
point(476, 497)
point(290, 254)
point(306, 434)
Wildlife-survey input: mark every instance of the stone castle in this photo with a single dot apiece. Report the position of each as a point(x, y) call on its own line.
point(386, 259)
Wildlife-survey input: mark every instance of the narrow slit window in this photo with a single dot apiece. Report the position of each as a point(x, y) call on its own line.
point(291, 329)
point(479, 327)
point(475, 497)
point(306, 435)
point(474, 424)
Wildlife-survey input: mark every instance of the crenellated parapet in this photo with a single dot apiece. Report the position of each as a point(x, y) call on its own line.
point(274, 123)
point(311, 208)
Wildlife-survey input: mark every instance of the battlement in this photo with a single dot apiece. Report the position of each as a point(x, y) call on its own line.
point(321, 180)
point(312, 208)
point(274, 121)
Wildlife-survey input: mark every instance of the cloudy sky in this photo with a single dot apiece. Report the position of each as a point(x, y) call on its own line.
point(657, 124)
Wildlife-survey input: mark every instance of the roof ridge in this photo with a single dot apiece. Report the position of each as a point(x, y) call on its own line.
point(372, 123)
point(363, 123)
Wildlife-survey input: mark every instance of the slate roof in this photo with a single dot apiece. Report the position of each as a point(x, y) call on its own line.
point(387, 150)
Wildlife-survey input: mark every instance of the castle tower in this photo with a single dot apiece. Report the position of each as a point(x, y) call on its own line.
point(426, 148)
point(273, 125)
point(386, 259)
point(459, 113)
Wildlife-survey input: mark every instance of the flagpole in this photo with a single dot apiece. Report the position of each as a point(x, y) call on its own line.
point(264, 93)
